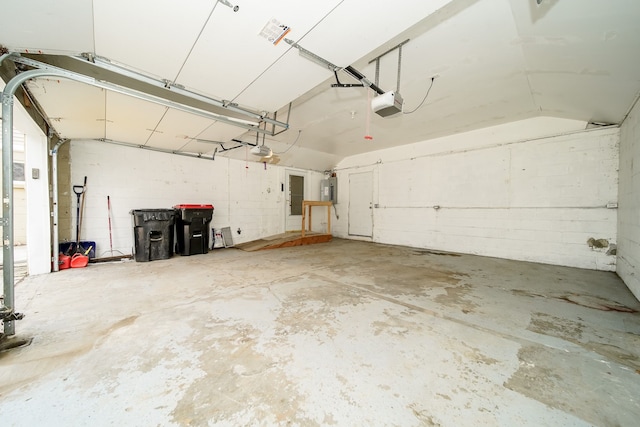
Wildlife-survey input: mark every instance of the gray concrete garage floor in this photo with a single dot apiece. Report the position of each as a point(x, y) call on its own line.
point(343, 333)
point(20, 269)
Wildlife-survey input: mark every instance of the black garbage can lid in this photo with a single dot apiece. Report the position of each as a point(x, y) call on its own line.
point(154, 214)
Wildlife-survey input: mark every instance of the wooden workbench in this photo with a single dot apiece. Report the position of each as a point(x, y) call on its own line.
point(310, 204)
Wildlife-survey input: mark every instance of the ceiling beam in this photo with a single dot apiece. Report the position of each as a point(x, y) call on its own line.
point(172, 97)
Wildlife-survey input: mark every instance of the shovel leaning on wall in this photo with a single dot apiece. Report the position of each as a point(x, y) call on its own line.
point(79, 191)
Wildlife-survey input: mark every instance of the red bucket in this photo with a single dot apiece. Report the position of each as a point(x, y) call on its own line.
point(79, 261)
point(64, 261)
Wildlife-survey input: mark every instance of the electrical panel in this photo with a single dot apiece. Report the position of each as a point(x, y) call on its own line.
point(329, 190)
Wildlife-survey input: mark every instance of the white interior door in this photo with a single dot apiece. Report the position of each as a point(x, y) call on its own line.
point(361, 204)
point(295, 193)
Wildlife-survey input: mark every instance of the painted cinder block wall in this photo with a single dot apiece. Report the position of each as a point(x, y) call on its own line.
point(628, 266)
point(504, 191)
point(246, 195)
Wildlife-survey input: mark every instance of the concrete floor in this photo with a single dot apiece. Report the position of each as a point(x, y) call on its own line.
point(20, 269)
point(343, 333)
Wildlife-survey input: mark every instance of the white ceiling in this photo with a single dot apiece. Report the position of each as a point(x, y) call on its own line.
point(496, 61)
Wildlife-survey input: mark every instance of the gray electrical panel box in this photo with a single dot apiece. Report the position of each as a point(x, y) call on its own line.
point(329, 190)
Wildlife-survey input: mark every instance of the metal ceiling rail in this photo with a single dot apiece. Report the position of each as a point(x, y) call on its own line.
point(139, 94)
point(364, 82)
point(106, 64)
point(159, 150)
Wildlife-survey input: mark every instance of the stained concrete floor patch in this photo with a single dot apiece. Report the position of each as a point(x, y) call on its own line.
point(557, 379)
point(343, 333)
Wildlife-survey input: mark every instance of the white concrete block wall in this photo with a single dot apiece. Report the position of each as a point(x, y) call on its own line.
point(537, 200)
point(245, 195)
point(252, 205)
point(628, 267)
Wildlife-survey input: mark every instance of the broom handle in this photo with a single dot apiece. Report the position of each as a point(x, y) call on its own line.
point(84, 190)
point(109, 214)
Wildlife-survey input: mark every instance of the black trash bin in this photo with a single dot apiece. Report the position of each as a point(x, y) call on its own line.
point(153, 233)
point(192, 228)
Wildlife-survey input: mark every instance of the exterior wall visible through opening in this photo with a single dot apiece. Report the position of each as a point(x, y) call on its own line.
point(19, 190)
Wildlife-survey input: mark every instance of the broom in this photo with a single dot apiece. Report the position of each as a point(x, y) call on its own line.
point(111, 250)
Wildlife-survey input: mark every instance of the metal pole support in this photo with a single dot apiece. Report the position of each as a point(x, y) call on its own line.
point(7, 212)
point(7, 309)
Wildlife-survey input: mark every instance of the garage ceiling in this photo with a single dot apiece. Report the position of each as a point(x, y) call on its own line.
point(494, 61)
